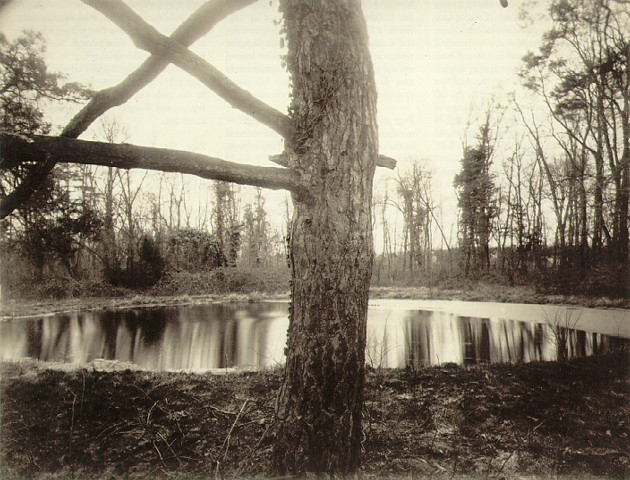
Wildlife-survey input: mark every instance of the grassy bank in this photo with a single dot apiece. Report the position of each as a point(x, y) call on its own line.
point(19, 308)
point(490, 292)
point(538, 419)
point(478, 292)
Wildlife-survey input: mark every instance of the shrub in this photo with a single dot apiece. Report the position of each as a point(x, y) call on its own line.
point(606, 279)
point(224, 280)
point(142, 273)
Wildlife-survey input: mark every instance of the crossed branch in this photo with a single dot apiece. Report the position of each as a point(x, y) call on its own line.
point(46, 152)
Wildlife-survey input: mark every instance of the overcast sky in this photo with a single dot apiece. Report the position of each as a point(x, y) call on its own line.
point(437, 62)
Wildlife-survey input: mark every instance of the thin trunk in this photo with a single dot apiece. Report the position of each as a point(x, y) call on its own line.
point(624, 237)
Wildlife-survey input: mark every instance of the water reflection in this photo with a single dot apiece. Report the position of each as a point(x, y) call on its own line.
point(254, 335)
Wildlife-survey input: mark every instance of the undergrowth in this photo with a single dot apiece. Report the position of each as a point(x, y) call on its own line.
point(543, 419)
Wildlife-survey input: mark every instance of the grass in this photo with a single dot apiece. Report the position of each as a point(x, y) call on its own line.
point(18, 308)
point(542, 419)
point(473, 292)
point(490, 292)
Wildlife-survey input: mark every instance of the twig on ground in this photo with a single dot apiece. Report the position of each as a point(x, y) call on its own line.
point(150, 410)
point(224, 412)
point(113, 428)
point(168, 445)
point(82, 392)
point(262, 437)
point(141, 391)
point(529, 434)
point(253, 421)
point(168, 474)
point(159, 454)
point(226, 442)
point(490, 459)
point(74, 401)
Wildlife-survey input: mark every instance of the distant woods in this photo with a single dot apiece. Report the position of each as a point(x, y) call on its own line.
point(542, 191)
point(544, 187)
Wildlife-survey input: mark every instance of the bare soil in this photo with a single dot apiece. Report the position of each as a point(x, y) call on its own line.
point(544, 420)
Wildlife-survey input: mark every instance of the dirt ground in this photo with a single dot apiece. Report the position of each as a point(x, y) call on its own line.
point(546, 420)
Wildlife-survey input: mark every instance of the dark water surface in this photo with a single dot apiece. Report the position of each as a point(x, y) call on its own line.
point(203, 337)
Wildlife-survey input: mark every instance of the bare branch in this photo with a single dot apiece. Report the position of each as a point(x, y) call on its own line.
point(208, 15)
point(385, 161)
point(148, 38)
point(381, 161)
point(40, 148)
point(196, 26)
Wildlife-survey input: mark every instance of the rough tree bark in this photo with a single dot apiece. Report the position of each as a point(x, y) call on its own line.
point(334, 150)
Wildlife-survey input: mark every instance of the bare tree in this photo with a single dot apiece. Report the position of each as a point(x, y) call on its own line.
point(113, 132)
point(581, 73)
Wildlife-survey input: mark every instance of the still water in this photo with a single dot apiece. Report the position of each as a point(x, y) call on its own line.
point(203, 337)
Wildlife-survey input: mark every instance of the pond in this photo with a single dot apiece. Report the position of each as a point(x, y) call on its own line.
point(253, 335)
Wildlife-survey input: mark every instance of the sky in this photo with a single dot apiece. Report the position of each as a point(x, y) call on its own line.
point(437, 64)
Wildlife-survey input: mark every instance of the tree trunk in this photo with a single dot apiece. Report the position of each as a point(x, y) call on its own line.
point(334, 150)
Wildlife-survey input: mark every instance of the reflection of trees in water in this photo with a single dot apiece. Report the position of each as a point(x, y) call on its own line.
point(34, 338)
point(539, 337)
point(152, 323)
point(227, 332)
point(571, 343)
point(476, 340)
point(109, 323)
point(580, 344)
point(227, 335)
point(55, 338)
point(418, 339)
point(603, 343)
point(60, 341)
point(436, 337)
point(20, 338)
point(213, 336)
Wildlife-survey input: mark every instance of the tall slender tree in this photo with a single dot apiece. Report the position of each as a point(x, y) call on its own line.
point(581, 72)
point(476, 199)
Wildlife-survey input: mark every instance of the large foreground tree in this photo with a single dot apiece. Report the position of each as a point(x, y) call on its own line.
point(331, 153)
point(334, 149)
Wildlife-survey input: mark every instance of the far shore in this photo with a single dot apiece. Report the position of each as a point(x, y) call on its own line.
point(15, 308)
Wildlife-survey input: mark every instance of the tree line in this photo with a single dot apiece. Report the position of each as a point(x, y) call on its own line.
point(544, 185)
point(551, 203)
point(95, 230)
point(543, 200)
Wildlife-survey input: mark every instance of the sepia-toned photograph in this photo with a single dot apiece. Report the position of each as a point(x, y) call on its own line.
point(367, 239)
